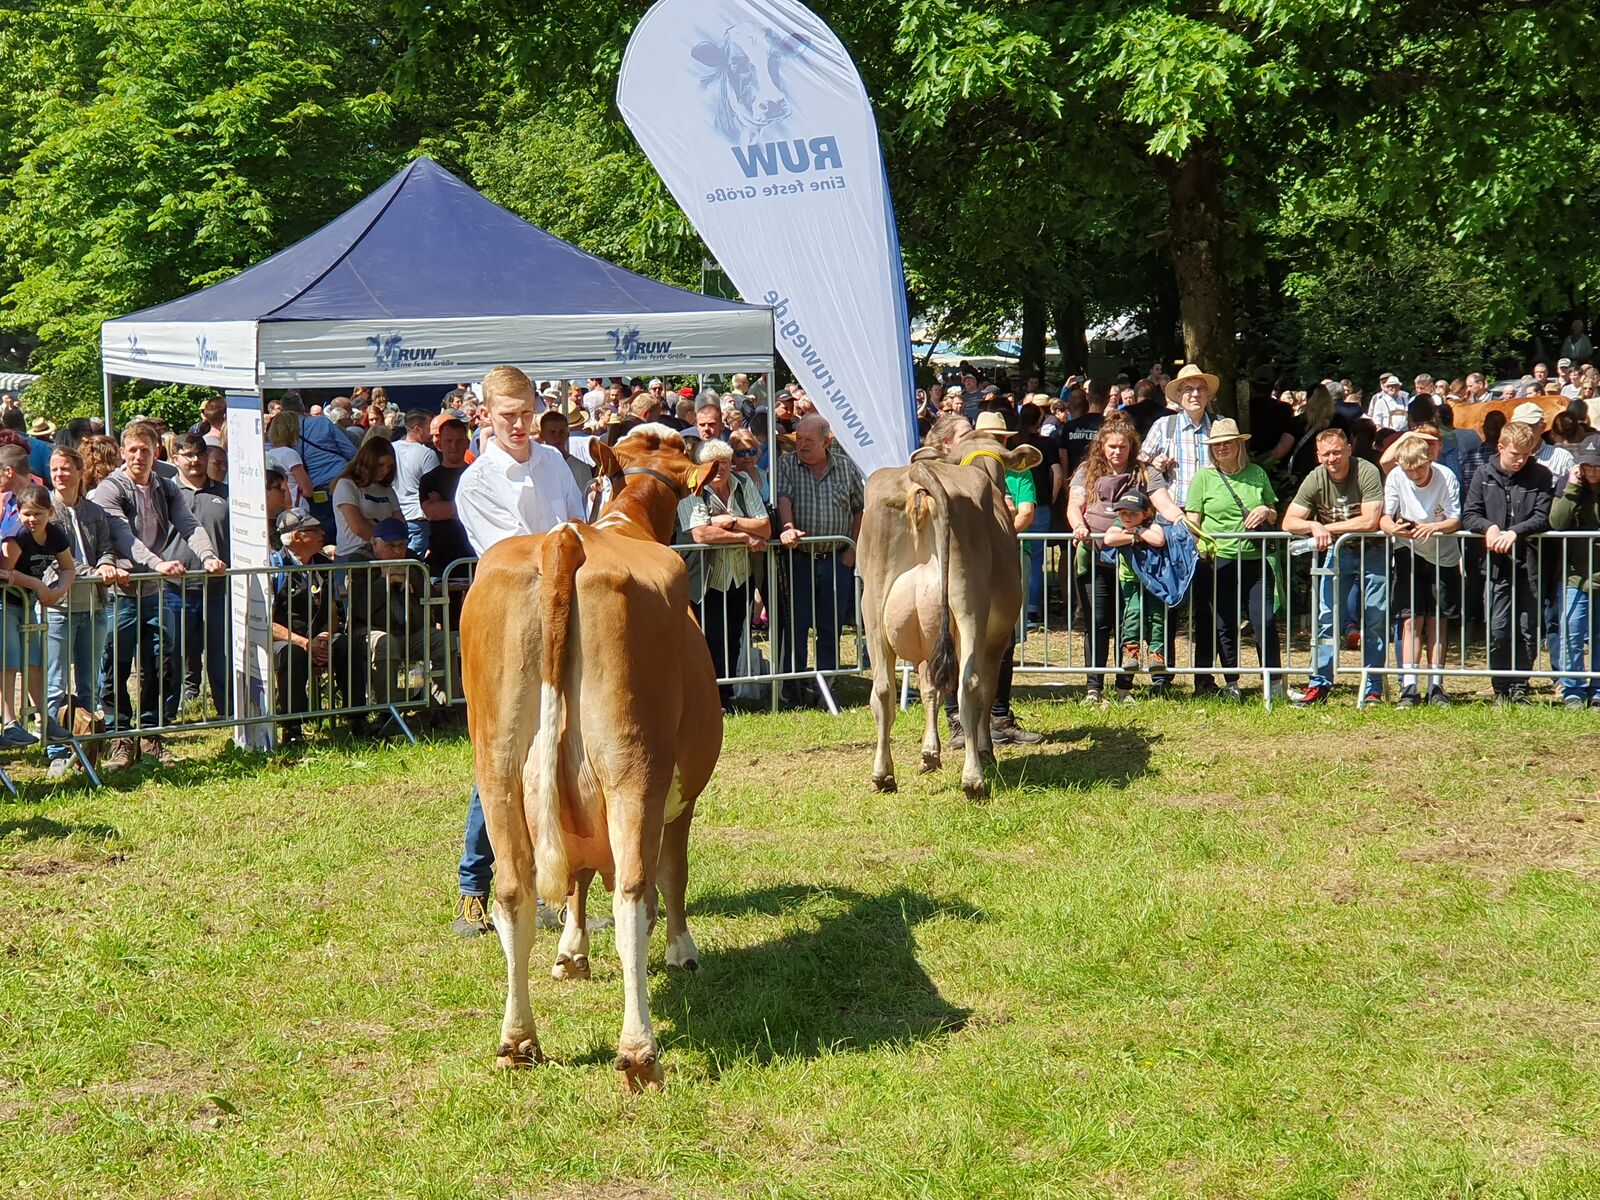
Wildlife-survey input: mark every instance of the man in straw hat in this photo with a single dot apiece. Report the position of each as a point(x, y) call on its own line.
point(1177, 443)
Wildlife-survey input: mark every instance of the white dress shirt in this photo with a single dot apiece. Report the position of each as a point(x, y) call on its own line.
point(498, 497)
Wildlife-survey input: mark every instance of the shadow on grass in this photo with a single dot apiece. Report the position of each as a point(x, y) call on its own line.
point(1100, 756)
point(845, 977)
point(38, 829)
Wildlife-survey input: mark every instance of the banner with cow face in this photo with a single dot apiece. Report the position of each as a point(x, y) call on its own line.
point(757, 121)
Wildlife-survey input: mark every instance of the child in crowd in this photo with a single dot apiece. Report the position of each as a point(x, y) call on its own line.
point(1144, 618)
point(36, 560)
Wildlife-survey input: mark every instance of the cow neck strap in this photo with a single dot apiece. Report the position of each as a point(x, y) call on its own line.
point(977, 454)
point(654, 474)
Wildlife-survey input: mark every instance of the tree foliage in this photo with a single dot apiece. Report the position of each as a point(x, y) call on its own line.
point(1319, 182)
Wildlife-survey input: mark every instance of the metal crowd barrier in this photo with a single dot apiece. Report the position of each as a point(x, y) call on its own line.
point(131, 662)
point(379, 640)
point(774, 621)
point(1202, 637)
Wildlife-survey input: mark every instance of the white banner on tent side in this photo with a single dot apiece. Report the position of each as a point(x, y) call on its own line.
point(757, 121)
point(444, 350)
point(250, 547)
point(219, 354)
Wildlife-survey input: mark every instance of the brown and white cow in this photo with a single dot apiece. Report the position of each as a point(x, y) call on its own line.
point(595, 724)
point(941, 586)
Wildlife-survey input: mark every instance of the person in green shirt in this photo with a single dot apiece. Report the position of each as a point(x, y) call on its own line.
point(1144, 618)
point(1233, 496)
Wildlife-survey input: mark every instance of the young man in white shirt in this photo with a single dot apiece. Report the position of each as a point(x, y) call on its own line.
point(515, 487)
point(1422, 505)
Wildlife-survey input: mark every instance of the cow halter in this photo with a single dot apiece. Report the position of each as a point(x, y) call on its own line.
point(977, 454)
point(605, 488)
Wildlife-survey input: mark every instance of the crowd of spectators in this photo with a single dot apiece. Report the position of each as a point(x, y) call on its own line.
point(1320, 464)
point(115, 546)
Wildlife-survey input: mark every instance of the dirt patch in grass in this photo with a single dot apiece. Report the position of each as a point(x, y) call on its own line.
point(607, 1190)
point(1549, 841)
point(34, 866)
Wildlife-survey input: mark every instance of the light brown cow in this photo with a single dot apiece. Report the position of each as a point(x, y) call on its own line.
point(595, 724)
point(941, 586)
point(1471, 416)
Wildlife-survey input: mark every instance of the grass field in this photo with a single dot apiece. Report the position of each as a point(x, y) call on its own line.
point(1184, 950)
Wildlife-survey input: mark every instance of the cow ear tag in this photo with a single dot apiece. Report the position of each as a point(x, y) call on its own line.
point(694, 481)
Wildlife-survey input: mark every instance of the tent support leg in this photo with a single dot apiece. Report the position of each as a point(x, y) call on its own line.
point(105, 380)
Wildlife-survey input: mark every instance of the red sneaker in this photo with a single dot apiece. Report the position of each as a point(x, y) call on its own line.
point(1316, 693)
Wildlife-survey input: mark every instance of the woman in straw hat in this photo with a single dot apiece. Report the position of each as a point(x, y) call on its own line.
point(1232, 496)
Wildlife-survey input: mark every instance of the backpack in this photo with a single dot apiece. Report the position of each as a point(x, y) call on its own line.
point(1099, 513)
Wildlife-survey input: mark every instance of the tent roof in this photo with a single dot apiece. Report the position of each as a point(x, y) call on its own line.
point(427, 245)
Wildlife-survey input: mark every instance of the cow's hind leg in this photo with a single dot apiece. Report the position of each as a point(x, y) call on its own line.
point(975, 721)
point(883, 713)
point(672, 876)
point(931, 701)
point(572, 955)
point(515, 920)
point(636, 849)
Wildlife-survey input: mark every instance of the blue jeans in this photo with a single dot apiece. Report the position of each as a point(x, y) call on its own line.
point(74, 646)
point(1579, 627)
point(417, 537)
point(1362, 581)
point(822, 596)
point(143, 632)
point(1036, 557)
point(477, 856)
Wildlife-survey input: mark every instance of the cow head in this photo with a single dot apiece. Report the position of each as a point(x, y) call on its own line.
point(987, 454)
point(746, 66)
point(653, 473)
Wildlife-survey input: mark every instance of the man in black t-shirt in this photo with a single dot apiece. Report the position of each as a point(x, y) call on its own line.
point(1083, 426)
point(447, 540)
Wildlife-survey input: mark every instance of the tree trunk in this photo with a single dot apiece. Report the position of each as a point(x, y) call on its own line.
point(1072, 336)
point(1205, 294)
point(1034, 320)
point(1166, 313)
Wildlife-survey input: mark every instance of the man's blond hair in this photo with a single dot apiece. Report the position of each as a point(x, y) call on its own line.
point(505, 381)
point(1413, 452)
point(1519, 438)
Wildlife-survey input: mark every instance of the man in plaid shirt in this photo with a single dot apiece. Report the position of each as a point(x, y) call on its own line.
point(820, 494)
point(1176, 444)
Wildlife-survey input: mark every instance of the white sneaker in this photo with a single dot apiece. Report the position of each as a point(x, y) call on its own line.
point(60, 768)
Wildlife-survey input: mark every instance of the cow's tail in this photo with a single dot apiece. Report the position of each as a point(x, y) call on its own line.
point(559, 559)
point(927, 489)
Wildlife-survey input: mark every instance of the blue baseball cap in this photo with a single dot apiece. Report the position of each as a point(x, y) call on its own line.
point(390, 529)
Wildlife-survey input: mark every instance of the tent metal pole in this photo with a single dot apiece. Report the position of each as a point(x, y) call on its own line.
point(105, 380)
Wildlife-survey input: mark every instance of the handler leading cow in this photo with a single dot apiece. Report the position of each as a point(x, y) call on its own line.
point(586, 759)
point(941, 586)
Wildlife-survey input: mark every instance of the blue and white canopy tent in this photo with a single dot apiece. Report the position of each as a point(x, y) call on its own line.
point(426, 281)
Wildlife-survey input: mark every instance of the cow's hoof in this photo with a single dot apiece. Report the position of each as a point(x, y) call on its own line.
point(975, 791)
point(640, 1071)
point(520, 1057)
point(885, 783)
point(931, 762)
point(570, 967)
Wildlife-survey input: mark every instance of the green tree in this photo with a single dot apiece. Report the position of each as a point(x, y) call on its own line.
point(157, 148)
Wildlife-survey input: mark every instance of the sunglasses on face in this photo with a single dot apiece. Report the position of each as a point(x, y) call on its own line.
point(747, 454)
